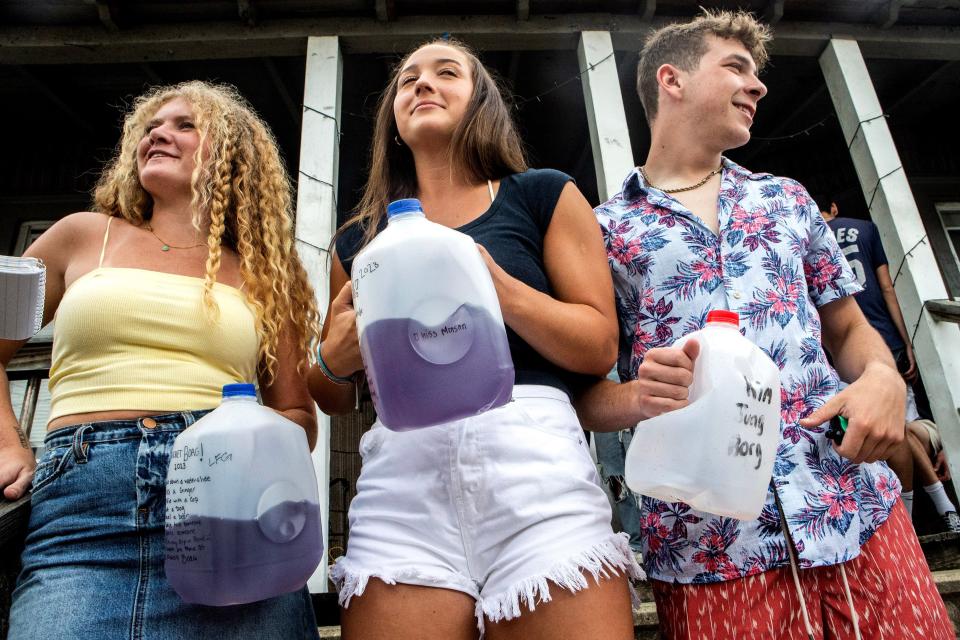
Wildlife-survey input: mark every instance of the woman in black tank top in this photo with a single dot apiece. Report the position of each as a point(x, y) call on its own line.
point(444, 135)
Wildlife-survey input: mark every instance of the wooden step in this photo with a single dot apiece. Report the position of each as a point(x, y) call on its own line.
point(942, 550)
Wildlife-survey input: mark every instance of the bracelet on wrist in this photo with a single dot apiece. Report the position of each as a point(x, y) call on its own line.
point(327, 373)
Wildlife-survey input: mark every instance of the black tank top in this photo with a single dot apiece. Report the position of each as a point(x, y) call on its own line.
point(512, 231)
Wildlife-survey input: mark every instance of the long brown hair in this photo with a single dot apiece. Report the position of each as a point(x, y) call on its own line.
point(484, 146)
point(244, 190)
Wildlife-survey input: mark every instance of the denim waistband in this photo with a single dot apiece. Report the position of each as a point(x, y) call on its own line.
point(126, 429)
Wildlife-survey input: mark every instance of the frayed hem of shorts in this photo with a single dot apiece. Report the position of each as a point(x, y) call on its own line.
point(610, 557)
point(351, 581)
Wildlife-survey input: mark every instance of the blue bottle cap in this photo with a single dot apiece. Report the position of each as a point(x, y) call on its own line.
point(239, 389)
point(407, 205)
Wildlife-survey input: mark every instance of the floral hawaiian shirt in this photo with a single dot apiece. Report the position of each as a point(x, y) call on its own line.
point(775, 262)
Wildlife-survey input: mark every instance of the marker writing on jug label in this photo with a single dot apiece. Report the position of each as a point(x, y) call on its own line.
point(186, 452)
point(749, 419)
point(362, 272)
point(762, 394)
point(429, 334)
point(223, 456)
point(742, 448)
point(180, 493)
point(367, 269)
point(189, 544)
point(454, 329)
point(181, 456)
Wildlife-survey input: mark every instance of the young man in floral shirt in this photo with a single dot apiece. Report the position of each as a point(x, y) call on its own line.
point(833, 550)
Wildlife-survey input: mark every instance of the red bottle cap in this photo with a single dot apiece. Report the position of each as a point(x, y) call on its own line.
point(722, 315)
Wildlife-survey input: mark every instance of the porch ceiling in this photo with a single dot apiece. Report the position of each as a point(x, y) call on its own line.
point(138, 13)
point(101, 31)
point(64, 112)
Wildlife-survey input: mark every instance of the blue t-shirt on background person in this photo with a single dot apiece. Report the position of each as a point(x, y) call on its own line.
point(860, 242)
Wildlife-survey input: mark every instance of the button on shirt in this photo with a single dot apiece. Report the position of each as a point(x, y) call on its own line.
point(774, 263)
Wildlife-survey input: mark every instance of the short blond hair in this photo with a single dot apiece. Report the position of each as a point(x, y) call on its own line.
point(684, 44)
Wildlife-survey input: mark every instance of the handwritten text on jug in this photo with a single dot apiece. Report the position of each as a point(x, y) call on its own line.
point(747, 415)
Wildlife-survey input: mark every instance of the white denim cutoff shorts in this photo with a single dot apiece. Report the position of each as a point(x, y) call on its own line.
point(496, 506)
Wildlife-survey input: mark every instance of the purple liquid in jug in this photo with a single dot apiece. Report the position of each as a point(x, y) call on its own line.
point(221, 561)
point(423, 376)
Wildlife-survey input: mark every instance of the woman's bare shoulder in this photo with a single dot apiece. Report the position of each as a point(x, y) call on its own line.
point(71, 233)
point(80, 225)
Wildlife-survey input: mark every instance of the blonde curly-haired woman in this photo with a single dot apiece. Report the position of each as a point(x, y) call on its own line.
point(183, 280)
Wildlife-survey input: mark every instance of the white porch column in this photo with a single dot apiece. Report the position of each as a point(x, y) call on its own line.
point(609, 135)
point(894, 211)
point(317, 220)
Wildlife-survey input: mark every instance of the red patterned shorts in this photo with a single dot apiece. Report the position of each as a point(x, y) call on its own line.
point(893, 593)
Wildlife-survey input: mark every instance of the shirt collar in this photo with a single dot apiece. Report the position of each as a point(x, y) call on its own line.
point(633, 186)
point(733, 167)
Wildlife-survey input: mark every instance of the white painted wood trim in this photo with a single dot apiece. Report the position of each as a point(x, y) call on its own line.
point(609, 135)
point(895, 213)
point(317, 220)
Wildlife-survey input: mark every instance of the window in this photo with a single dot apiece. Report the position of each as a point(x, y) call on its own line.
point(41, 414)
point(950, 218)
point(30, 231)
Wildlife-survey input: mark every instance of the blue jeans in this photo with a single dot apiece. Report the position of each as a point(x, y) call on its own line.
point(611, 451)
point(93, 560)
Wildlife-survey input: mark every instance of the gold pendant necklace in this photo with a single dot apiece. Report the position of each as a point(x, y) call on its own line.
point(680, 189)
point(166, 246)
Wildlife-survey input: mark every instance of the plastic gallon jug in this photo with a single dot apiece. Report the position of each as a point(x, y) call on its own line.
point(716, 454)
point(243, 515)
point(431, 333)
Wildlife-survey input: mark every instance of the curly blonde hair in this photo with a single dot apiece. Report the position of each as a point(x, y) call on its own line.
point(241, 186)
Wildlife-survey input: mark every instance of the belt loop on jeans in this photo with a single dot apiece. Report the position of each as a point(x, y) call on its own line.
point(79, 446)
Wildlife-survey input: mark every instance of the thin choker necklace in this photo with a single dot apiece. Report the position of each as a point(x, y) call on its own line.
point(166, 245)
point(690, 188)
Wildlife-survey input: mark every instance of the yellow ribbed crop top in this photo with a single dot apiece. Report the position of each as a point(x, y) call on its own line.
point(136, 339)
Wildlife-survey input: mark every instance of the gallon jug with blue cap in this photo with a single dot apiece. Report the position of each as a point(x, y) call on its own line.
point(243, 514)
point(431, 332)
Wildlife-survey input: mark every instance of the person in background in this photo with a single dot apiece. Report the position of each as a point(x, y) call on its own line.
point(494, 524)
point(859, 240)
point(612, 449)
point(860, 243)
point(921, 455)
point(183, 278)
point(833, 553)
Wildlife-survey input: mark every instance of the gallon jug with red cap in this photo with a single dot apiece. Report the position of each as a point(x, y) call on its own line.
point(716, 454)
